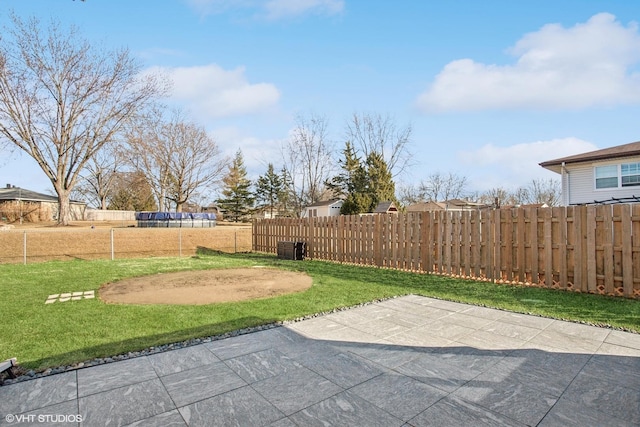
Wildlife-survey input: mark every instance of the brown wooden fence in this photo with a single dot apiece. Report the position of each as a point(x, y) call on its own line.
point(592, 249)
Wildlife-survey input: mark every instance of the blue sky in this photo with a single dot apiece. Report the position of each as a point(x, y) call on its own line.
point(491, 88)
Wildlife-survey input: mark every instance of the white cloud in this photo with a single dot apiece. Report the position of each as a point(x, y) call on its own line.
point(269, 9)
point(257, 153)
point(589, 64)
point(213, 92)
point(517, 165)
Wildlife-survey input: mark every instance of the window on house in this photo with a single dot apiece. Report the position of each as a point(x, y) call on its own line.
point(607, 176)
point(630, 173)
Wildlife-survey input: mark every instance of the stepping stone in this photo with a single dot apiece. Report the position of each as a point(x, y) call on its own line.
point(70, 296)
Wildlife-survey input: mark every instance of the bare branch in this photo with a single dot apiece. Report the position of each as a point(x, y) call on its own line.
point(376, 133)
point(308, 159)
point(178, 157)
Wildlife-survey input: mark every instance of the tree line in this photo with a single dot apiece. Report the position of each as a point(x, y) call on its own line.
point(362, 174)
point(93, 122)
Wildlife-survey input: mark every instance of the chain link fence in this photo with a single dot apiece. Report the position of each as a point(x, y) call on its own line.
point(37, 245)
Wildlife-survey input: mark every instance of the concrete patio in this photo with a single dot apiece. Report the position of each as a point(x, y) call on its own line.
point(409, 361)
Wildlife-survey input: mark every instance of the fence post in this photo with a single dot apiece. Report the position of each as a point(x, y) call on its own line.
point(24, 249)
point(112, 246)
point(180, 242)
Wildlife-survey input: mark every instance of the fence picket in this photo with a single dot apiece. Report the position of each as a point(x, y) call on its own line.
point(627, 251)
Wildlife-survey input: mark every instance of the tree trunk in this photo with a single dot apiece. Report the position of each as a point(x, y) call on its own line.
point(64, 206)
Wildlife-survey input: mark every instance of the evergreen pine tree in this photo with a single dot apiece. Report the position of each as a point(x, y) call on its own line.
point(269, 189)
point(237, 198)
point(287, 197)
point(351, 183)
point(362, 184)
point(380, 185)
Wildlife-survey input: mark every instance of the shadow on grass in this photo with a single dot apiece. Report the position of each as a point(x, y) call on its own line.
point(143, 344)
point(204, 251)
point(601, 310)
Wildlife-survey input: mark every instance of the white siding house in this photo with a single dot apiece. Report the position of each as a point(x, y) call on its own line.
point(601, 176)
point(326, 208)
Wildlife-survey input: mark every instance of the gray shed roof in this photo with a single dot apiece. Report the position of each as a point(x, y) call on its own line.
point(385, 207)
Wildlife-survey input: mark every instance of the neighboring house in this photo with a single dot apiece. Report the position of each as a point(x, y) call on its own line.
point(447, 205)
point(326, 208)
point(18, 204)
point(602, 176)
point(269, 212)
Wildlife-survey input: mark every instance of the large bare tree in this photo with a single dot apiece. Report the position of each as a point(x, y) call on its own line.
point(62, 101)
point(308, 160)
point(378, 133)
point(178, 157)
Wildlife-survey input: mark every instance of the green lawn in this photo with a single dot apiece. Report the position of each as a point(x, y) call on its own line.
point(42, 336)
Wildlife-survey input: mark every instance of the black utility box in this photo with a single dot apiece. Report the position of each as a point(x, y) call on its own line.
point(291, 250)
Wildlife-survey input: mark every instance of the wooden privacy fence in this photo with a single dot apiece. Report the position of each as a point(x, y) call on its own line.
point(592, 249)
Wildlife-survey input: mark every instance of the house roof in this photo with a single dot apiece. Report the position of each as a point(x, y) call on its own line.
point(17, 193)
point(425, 206)
point(451, 204)
point(626, 150)
point(325, 203)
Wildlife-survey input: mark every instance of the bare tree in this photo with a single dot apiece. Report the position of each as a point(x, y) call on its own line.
point(538, 191)
point(440, 187)
point(543, 191)
point(97, 180)
point(497, 196)
point(147, 155)
point(61, 101)
point(408, 194)
point(178, 157)
point(195, 160)
point(376, 133)
point(308, 160)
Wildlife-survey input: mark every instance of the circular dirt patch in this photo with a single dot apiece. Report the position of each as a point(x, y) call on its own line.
point(205, 287)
